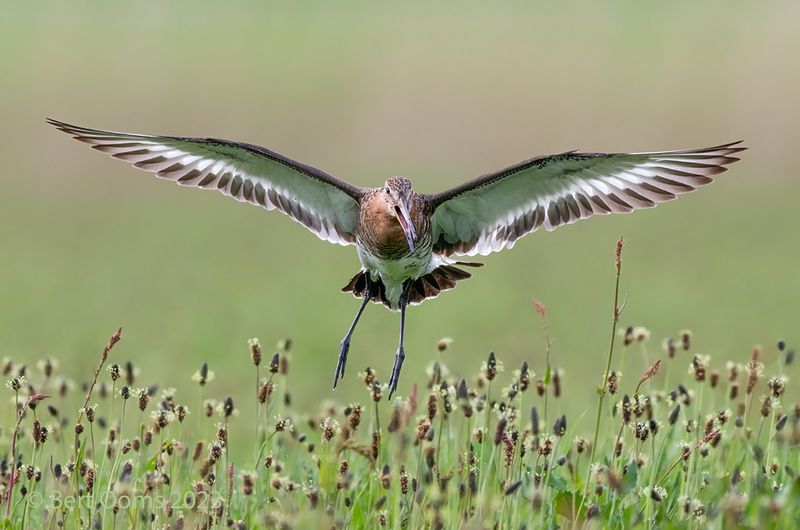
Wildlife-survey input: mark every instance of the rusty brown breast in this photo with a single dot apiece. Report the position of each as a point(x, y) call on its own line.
point(379, 230)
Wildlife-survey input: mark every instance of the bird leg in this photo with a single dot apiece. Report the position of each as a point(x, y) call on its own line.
point(401, 354)
point(344, 346)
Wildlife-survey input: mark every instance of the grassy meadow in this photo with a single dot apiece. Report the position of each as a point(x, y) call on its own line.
point(438, 94)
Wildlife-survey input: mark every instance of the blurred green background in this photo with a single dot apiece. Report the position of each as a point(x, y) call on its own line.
point(438, 92)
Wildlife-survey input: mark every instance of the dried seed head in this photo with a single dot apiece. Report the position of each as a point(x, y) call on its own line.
point(432, 406)
point(144, 398)
point(255, 351)
point(114, 371)
point(714, 378)
point(376, 391)
point(699, 367)
point(283, 424)
point(37, 431)
point(265, 390)
point(524, 377)
point(368, 377)
point(354, 417)
point(669, 347)
point(686, 339)
point(613, 382)
point(89, 412)
point(385, 477)
point(641, 431)
point(534, 421)
point(641, 334)
point(329, 427)
point(767, 404)
point(556, 381)
point(16, 383)
point(651, 371)
point(376, 442)
point(403, 480)
point(283, 368)
point(490, 367)
point(248, 483)
point(627, 336)
point(546, 445)
point(499, 430)
point(755, 370)
point(540, 389)
point(777, 385)
point(443, 343)
point(581, 445)
point(627, 410)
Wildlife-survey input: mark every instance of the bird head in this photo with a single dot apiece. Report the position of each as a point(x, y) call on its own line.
point(398, 192)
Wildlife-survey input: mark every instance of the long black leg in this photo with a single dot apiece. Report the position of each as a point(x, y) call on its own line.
point(401, 354)
point(344, 346)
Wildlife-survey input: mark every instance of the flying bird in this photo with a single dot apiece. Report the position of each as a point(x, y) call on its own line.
point(410, 244)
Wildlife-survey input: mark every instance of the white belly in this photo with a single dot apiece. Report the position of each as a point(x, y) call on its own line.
point(393, 273)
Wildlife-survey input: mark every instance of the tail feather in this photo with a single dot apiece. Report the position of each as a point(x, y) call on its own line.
point(428, 286)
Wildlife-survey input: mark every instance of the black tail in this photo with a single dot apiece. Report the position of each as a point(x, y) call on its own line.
point(424, 287)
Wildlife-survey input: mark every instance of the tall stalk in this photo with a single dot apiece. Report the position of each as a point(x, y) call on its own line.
point(603, 389)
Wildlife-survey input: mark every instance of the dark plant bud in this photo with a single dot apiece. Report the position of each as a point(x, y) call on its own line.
point(461, 390)
point(628, 337)
point(534, 421)
point(274, 364)
point(511, 488)
point(227, 407)
point(669, 347)
point(560, 426)
point(673, 416)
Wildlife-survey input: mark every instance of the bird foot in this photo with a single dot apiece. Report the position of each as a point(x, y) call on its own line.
point(344, 347)
point(398, 365)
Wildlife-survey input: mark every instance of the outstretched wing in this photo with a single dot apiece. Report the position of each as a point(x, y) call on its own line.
point(322, 203)
point(491, 212)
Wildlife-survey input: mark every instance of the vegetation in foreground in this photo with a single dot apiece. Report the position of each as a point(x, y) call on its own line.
point(718, 450)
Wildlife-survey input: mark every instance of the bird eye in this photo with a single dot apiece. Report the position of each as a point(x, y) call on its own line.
point(386, 190)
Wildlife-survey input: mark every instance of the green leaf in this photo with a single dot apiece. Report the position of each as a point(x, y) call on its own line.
point(793, 496)
point(558, 483)
point(547, 375)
